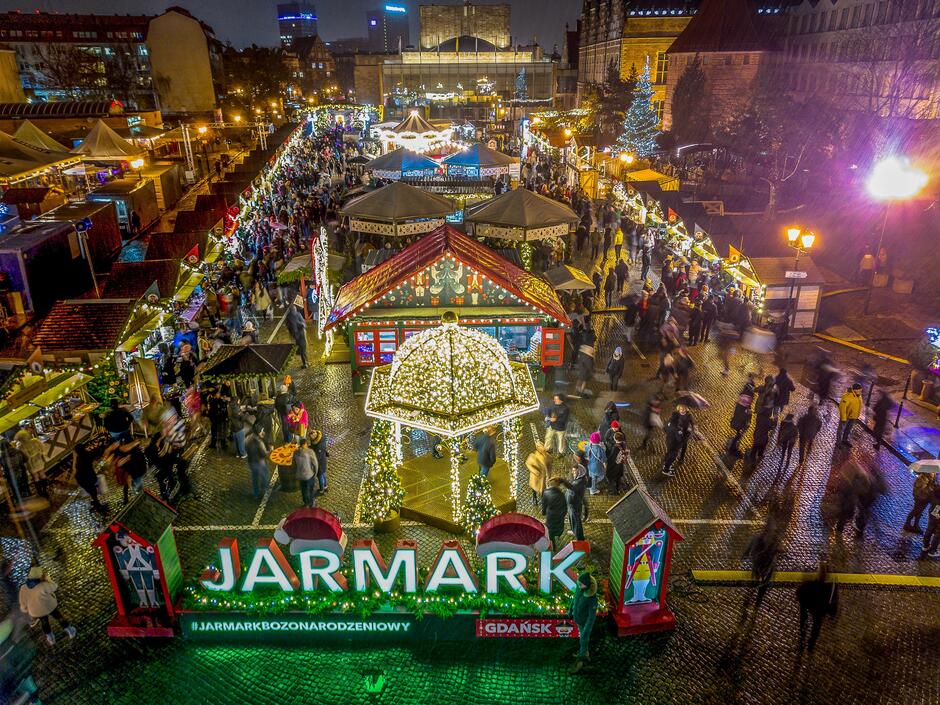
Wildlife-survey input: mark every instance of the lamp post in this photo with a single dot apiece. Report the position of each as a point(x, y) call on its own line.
point(801, 241)
point(892, 179)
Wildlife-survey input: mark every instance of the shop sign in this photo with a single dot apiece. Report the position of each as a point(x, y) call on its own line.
point(209, 626)
point(526, 628)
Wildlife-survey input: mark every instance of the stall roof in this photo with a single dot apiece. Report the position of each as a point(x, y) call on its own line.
point(192, 221)
point(416, 124)
point(666, 183)
point(102, 142)
point(132, 279)
point(261, 360)
point(520, 208)
point(401, 160)
point(118, 187)
point(398, 202)
point(29, 134)
point(479, 155)
point(28, 195)
point(369, 286)
point(770, 271)
point(84, 324)
point(26, 235)
point(161, 246)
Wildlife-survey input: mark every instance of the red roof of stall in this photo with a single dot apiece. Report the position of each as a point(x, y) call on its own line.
point(368, 287)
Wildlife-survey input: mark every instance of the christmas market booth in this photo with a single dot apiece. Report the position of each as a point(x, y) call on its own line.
point(442, 385)
point(253, 370)
point(448, 270)
point(402, 163)
point(417, 134)
point(397, 210)
point(479, 161)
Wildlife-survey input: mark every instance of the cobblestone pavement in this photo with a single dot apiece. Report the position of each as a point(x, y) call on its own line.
point(881, 649)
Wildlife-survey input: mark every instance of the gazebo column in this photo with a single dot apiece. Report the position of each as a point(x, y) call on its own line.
point(454, 446)
point(511, 430)
point(396, 443)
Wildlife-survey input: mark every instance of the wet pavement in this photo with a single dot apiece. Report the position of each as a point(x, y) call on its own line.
point(882, 647)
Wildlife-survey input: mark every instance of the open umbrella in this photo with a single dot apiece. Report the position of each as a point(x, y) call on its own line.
point(931, 466)
point(568, 278)
point(696, 401)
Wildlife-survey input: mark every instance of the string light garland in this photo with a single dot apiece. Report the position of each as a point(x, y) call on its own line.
point(511, 431)
point(453, 446)
point(383, 493)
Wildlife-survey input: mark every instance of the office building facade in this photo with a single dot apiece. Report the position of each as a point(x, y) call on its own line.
point(296, 20)
point(388, 28)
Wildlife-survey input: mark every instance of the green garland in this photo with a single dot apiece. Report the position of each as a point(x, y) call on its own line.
point(438, 604)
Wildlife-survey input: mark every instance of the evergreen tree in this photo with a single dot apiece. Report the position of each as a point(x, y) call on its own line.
point(478, 507)
point(613, 100)
point(383, 493)
point(690, 107)
point(641, 125)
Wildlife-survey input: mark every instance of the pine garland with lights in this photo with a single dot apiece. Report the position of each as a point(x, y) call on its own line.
point(383, 493)
point(106, 385)
point(478, 506)
point(641, 124)
point(442, 604)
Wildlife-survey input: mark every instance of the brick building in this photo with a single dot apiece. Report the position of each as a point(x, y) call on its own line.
point(732, 44)
point(490, 23)
point(624, 33)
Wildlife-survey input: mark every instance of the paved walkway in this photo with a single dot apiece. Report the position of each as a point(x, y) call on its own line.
point(881, 649)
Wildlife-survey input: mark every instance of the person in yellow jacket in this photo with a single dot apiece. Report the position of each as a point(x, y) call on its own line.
point(618, 244)
point(850, 408)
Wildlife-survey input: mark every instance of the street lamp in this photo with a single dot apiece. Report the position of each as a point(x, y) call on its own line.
point(238, 118)
point(138, 165)
point(892, 179)
point(801, 241)
point(202, 129)
point(626, 158)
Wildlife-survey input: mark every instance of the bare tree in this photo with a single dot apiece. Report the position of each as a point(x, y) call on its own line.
point(68, 68)
point(123, 78)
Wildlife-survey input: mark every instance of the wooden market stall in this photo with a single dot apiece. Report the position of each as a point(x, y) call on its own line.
point(447, 270)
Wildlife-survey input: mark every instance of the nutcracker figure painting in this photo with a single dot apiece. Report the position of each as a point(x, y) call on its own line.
point(644, 562)
point(138, 568)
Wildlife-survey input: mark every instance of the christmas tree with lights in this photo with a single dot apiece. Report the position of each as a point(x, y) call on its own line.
point(478, 506)
point(383, 493)
point(641, 124)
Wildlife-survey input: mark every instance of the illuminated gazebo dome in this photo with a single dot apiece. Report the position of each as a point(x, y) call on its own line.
point(450, 381)
point(417, 134)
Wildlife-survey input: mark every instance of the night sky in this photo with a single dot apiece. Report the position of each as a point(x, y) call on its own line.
point(244, 22)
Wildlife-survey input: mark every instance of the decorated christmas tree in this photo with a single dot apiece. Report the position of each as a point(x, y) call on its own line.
point(478, 507)
point(106, 385)
point(641, 125)
point(383, 493)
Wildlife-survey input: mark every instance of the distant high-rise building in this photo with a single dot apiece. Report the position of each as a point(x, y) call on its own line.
point(296, 20)
point(388, 28)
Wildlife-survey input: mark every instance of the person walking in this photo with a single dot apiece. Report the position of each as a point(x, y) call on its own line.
point(741, 416)
point(118, 422)
point(537, 464)
point(818, 597)
point(925, 485)
point(695, 323)
point(282, 405)
point(762, 428)
point(617, 457)
point(256, 452)
point(785, 387)
point(83, 469)
point(237, 424)
point(577, 502)
point(298, 420)
point(931, 545)
point(678, 431)
point(485, 447)
point(880, 418)
point(652, 417)
point(584, 613)
point(554, 508)
point(297, 327)
point(850, 408)
point(787, 436)
point(610, 286)
point(808, 425)
point(218, 418)
point(709, 315)
point(622, 269)
point(596, 459)
point(556, 424)
point(615, 368)
point(305, 465)
point(618, 244)
point(318, 443)
point(38, 600)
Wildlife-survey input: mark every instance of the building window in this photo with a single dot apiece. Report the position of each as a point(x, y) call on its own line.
point(662, 67)
point(705, 60)
point(658, 106)
point(747, 59)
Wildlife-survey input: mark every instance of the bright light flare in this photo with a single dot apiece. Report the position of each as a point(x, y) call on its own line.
point(894, 179)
